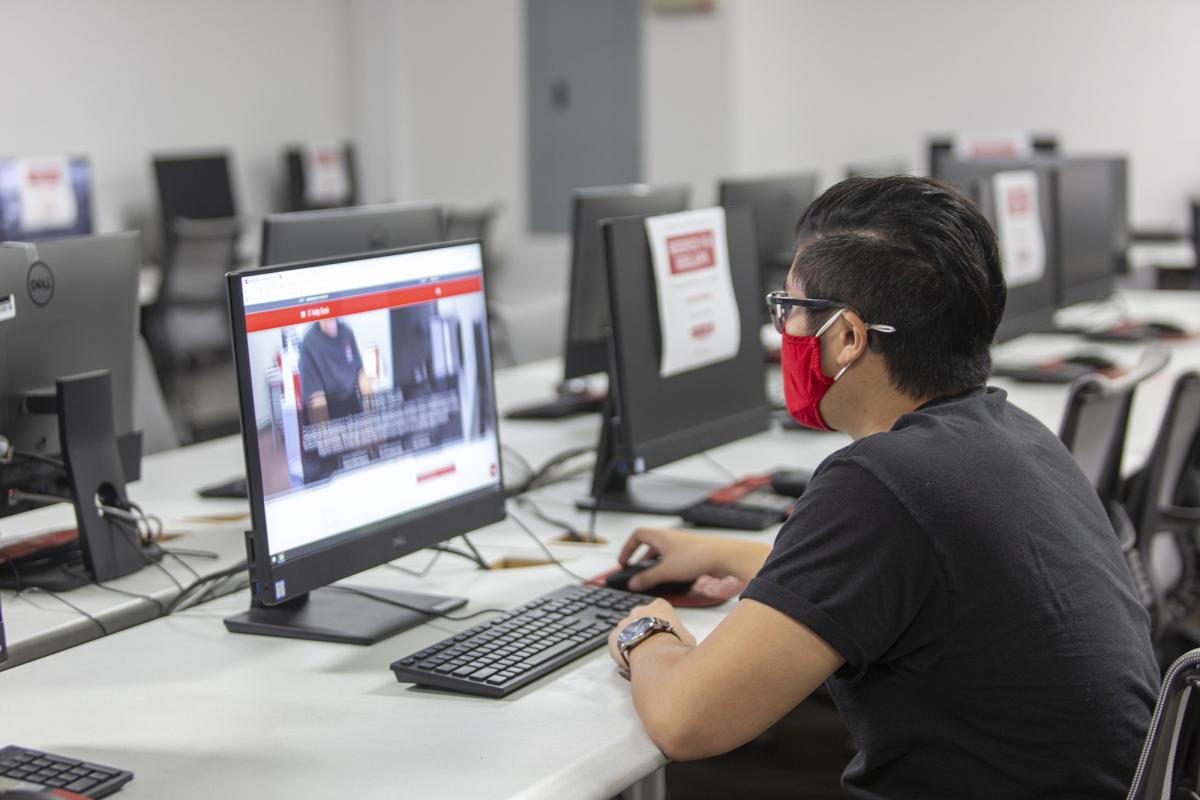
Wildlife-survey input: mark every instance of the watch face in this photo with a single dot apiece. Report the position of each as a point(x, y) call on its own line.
point(635, 629)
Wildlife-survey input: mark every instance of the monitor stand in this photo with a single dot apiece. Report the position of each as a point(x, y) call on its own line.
point(103, 549)
point(334, 614)
point(614, 490)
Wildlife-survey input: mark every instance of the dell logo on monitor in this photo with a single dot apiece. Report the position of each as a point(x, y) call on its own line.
point(399, 540)
point(41, 283)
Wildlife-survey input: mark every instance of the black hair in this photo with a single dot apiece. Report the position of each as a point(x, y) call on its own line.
point(916, 254)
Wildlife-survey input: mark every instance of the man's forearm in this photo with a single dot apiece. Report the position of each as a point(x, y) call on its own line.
point(661, 698)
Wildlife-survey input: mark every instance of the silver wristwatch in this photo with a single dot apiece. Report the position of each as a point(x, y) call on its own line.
point(639, 631)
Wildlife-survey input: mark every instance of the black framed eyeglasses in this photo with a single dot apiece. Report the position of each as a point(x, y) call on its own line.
point(781, 305)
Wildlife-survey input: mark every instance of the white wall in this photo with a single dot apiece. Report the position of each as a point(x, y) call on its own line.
point(820, 84)
point(119, 80)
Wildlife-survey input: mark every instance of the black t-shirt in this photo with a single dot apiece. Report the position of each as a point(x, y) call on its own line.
point(330, 364)
point(967, 572)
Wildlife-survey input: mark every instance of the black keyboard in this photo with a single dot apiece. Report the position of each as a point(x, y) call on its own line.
point(732, 516)
point(1056, 372)
point(56, 772)
point(501, 656)
point(235, 489)
point(564, 405)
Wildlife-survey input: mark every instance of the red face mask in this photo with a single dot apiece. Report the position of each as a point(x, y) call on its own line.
point(804, 384)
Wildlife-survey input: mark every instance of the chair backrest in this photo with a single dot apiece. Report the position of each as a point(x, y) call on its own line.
point(1166, 484)
point(1096, 419)
point(199, 255)
point(1169, 766)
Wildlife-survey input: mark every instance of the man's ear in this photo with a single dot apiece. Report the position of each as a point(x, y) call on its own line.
point(851, 339)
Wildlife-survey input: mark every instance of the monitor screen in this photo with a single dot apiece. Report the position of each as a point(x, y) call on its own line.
point(587, 313)
point(367, 408)
point(45, 198)
point(778, 203)
point(1092, 210)
point(308, 235)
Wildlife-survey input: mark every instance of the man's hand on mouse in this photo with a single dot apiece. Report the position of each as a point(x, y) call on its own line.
point(659, 608)
point(683, 557)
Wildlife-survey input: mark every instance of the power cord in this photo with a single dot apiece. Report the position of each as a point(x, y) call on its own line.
point(162, 609)
point(22, 594)
point(553, 558)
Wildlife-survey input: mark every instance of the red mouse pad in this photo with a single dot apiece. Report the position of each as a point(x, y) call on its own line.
point(706, 591)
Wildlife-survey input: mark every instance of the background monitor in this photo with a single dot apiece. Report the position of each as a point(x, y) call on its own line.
point(1092, 210)
point(586, 350)
point(321, 176)
point(308, 235)
point(778, 203)
point(665, 419)
point(1030, 307)
point(877, 169)
point(69, 306)
point(45, 198)
point(369, 424)
point(194, 187)
point(941, 150)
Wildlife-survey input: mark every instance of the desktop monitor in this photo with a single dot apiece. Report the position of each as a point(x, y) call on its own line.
point(778, 204)
point(877, 169)
point(1031, 304)
point(3, 640)
point(67, 306)
point(1092, 210)
point(321, 176)
point(307, 235)
point(941, 150)
point(45, 198)
point(587, 314)
point(194, 187)
point(369, 425)
point(654, 420)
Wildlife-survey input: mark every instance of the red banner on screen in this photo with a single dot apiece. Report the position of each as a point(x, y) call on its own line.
point(393, 298)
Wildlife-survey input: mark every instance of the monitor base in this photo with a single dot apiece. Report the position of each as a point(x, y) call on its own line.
point(650, 494)
point(333, 614)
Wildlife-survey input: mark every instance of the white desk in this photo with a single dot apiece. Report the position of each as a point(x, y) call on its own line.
point(195, 711)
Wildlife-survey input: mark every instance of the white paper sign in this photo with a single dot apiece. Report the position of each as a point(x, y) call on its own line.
point(996, 144)
point(697, 308)
point(325, 178)
point(1019, 227)
point(47, 197)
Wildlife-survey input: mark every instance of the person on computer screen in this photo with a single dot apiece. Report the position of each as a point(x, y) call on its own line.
point(951, 576)
point(332, 378)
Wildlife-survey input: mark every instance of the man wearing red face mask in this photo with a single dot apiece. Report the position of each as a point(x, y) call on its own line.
point(951, 575)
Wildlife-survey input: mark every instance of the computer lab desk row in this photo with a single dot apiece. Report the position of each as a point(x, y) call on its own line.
point(195, 711)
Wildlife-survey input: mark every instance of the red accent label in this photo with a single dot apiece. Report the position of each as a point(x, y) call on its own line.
point(691, 251)
point(394, 298)
point(992, 149)
point(703, 330)
point(49, 175)
point(440, 472)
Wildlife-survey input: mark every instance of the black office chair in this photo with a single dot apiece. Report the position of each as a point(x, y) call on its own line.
point(1093, 429)
point(1169, 766)
point(1163, 500)
point(188, 325)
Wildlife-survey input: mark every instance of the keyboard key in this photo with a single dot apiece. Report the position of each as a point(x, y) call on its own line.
point(81, 785)
point(483, 674)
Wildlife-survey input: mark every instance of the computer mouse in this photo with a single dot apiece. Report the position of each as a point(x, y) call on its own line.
point(790, 482)
point(620, 580)
point(1165, 329)
point(1093, 360)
